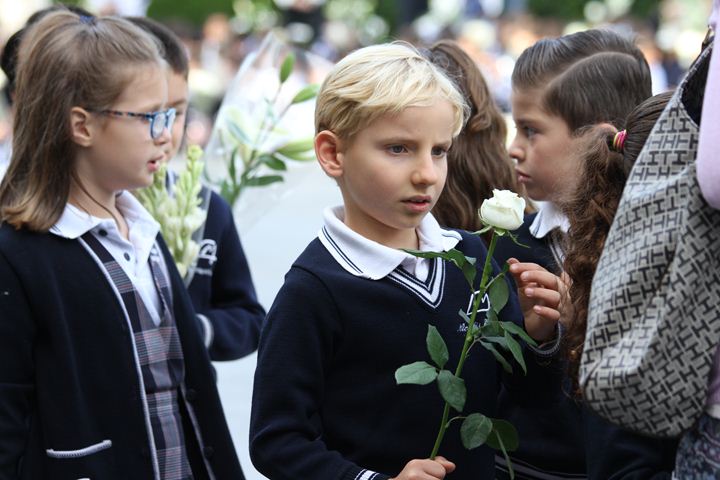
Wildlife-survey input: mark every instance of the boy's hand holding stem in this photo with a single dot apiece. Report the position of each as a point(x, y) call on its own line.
point(539, 298)
point(427, 469)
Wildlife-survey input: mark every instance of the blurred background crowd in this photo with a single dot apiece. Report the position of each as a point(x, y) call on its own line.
point(219, 34)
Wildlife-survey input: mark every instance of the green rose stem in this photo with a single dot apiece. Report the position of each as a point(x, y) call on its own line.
point(469, 339)
point(501, 214)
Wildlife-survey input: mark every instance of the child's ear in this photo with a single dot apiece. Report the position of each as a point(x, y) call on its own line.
point(327, 151)
point(81, 126)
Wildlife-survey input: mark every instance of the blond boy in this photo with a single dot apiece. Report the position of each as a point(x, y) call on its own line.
point(354, 307)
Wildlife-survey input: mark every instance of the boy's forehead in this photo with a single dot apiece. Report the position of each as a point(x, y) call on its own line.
point(413, 121)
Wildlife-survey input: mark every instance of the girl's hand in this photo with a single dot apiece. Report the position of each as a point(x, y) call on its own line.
point(541, 294)
point(426, 469)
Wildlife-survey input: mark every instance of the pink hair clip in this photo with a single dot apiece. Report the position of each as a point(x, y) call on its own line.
point(619, 141)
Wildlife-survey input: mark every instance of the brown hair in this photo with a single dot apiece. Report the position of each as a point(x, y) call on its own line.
point(478, 161)
point(586, 78)
point(591, 210)
point(174, 51)
point(8, 59)
point(65, 60)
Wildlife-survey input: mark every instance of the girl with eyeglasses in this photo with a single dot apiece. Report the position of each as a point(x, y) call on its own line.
point(103, 370)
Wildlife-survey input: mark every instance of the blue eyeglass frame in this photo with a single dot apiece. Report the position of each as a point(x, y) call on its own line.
point(168, 115)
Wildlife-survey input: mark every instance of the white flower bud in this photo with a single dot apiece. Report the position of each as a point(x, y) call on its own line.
point(505, 210)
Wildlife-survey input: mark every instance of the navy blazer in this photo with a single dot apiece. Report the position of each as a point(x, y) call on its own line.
point(68, 374)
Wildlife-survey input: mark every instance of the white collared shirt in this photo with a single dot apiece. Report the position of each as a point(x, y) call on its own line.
point(548, 218)
point(132, 255)
point(366, 258)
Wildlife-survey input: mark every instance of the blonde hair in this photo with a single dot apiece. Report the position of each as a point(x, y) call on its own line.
point(65, 60)
point(380, 80)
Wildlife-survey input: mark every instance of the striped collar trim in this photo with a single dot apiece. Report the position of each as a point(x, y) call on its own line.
point(365, 258)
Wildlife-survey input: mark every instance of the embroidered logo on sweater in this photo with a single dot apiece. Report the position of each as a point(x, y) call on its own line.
point(207, 256)
point(481, 312)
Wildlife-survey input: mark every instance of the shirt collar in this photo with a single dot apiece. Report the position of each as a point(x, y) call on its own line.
point(74, 223)
point(548, 218)
point(366, 258)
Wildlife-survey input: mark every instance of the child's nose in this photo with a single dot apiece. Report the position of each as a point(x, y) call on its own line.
point(516, 151)
point(426, 172)
point(164, 137)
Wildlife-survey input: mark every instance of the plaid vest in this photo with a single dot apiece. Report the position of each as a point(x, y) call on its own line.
point(161, 361)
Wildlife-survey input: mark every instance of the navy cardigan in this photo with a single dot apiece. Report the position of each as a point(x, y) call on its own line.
point(221, 287)
point(68, 376)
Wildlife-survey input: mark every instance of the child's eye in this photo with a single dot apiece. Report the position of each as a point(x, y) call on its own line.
point(529, 131)
point(397, 149)
point(439, 151)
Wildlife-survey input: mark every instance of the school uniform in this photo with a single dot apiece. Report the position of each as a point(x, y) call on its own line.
point(221, 287)
point(549, 422)
point(560, 438)
point(103, 373)
point(352, 311)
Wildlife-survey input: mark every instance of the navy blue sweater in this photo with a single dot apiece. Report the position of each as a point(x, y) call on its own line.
point(558, 434)
point(325, 403)
point(221, 287)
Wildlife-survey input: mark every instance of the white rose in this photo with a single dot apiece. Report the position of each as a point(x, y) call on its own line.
point(505, 210)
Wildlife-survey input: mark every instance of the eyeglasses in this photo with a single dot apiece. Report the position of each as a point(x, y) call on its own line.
point(159, 121)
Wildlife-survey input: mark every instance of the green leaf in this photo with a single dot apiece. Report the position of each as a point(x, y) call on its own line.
point(492, 328)
point(436, 347)
point(506, 431)
point(417, 373)
point(515, 240)
point(474, 430)
point(263, 180)
point(300, 157)
point(232, 169)
point(508, 462)
point(421, 254)
point(516, 350)
point(485, 229)
point(452, 389)
point(498, 356)
point(505, 268)
point(296, 147)
point(498, 340)
point(465, 317)
point(519, 331)
point(287, 67)
point(310, 91)
point(238, 133)
point(470, 272)
point(498, 293)
point(273, 162)
point(460, 260)
point(304, 158)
